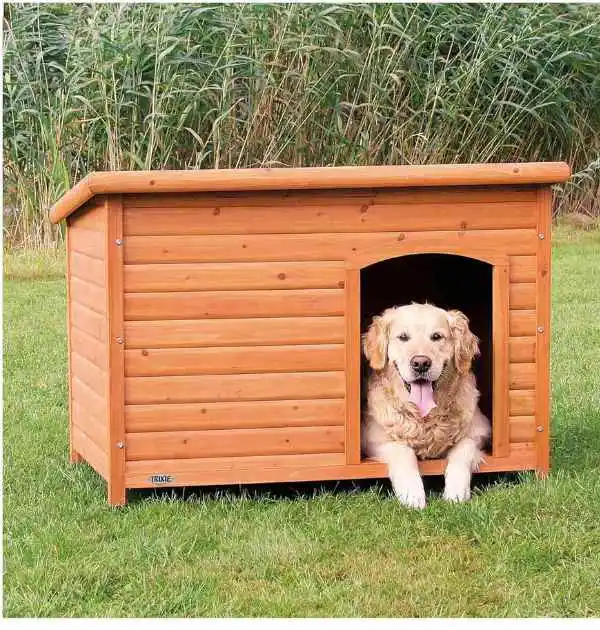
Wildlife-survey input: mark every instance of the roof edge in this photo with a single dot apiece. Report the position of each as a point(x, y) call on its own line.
point(215, 180)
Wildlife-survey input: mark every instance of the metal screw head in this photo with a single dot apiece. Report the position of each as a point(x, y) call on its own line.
point(119, 340)
point(540, 329)
point(539, 428)
point(120, 444)
point(541, 236)
point(119, 241)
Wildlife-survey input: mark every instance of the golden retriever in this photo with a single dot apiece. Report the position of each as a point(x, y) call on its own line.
point(422, 399)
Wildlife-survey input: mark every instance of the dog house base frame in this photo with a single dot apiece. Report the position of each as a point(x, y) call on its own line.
point(214, 316)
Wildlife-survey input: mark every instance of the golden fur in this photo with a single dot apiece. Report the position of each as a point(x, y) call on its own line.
point(445, 339)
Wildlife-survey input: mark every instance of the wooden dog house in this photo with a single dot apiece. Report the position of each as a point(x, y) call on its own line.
point(215, 316)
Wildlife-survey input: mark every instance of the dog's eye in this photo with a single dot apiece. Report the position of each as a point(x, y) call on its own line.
point(403, 337)
point(436, 336)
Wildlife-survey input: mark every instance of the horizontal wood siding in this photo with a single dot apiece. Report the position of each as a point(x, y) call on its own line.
point(235, 311)
point(235, 443)
point(239, 360)
point(88, 350)
point(234, 415)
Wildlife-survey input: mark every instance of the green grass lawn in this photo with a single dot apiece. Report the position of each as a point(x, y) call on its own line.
point(521, 547)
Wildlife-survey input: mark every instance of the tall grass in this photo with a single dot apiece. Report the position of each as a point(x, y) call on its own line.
point(200, 86)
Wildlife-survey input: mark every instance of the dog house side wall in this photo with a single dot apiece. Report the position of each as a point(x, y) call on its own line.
point(236, 312)
point(87, 304)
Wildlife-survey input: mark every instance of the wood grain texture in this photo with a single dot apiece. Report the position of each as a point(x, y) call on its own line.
point(500, 298)
point(89, 373)
point(234, 276)
point(88, 399)
point(91, 216)
point(90, 451)
point(521, 402)
point(116, 357)
point(234, 304)
point(236, 332)
point(522, 296)
point(366, 217)
point(89, 348)
point(131, 182)
point(522, 429)
point(90, 295)
point(295, 468)
point(352, 368)
point(74, 456)
point(90, 322)
point(311, 198)
point(213, 388)
point(86, 268)
point(522, 375)
point(235, 443)
point(234, 415)
point(93, 426)
point(364, 247)
point(542, 375)
point(521, 349)
point(88, 242)
point(523, 268)
point(522, 323)
point(238, 360)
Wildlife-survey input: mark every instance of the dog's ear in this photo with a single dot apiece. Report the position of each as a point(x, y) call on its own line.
point(375, 342)
point(466, 344)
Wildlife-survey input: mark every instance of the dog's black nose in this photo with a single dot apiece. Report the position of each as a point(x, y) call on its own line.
point(420, 363)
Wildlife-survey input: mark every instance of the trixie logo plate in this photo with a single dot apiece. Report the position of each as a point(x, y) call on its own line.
point(161, 479)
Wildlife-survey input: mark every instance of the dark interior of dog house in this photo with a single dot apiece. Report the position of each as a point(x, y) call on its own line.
point(445, 280)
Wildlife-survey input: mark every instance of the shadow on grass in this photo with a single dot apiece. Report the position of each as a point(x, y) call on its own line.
point(434, 485)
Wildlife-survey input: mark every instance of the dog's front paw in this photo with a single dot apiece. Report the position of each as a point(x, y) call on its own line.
point(410, 492)
point(457, 489)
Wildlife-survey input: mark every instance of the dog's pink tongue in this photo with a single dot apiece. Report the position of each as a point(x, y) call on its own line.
point(422, 395)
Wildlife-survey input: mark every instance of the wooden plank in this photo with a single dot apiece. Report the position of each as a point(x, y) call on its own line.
point(92, 454)
point(89, 321)
point(521, 402)
point(116, 356)
point(238, 360)
point(334, 197)
point(295, 468)
point(230, 304)
point(89, 242)
point(521, 349)
point(89, 373)
point(522, 375)
point(92, 426)
point(234, 415)
point(89, 348)
point(235, 443)
point(522, 296)
point(90, 295)
point(352, 371)
point(522, 429)
point(88, 399)
point(500, 297)
point(87, 268)
point(235, 332)
point(326, 217)
point(522, 323)
point(74, 456)
point(219, 470)
point(91, 216)
point(234, 276)
point(323, 247)
point(276, 386)
point(522, 268)
point(542, 376)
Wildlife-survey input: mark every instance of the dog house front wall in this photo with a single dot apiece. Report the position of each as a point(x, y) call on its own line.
point(214, 335)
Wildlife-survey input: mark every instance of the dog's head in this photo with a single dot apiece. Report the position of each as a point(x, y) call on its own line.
point(420, 341)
